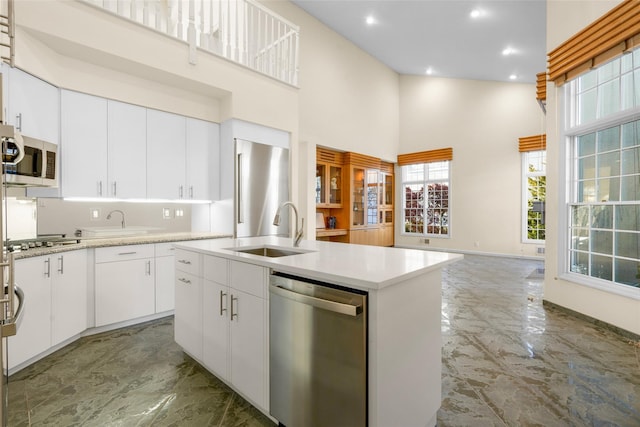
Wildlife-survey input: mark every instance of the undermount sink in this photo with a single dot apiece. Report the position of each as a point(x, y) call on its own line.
point(269, 251)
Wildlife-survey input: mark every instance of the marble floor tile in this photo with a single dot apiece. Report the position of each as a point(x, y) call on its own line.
point(507, 360)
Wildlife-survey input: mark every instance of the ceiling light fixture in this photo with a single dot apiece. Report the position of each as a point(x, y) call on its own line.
point(475, 13)
point(513, 76)
point(429, 71)
point(508, 51)
point(370, 20)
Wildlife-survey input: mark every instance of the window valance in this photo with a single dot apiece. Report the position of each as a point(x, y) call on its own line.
point(429, 156)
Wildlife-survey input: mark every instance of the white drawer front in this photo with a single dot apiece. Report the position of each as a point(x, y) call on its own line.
point(187, 261)
point(165, 249)
point(123, 253)
point(249, 278)
point(215, 269)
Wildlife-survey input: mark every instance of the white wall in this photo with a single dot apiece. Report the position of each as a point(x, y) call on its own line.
point(482, 121)
point(564, 19)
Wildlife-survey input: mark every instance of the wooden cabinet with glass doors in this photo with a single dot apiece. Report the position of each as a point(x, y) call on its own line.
point(331, 221)
point(385, 216)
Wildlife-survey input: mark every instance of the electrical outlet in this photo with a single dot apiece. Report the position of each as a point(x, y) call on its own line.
point(94, 214)
point(166, 213)
point(179, 212)
point(540, 250)
point(426, 241)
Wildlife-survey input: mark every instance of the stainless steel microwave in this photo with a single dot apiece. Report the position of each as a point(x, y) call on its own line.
point(28, 161)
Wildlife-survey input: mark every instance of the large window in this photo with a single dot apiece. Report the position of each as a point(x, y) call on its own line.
point(604, 165)
point(426, 198)
point(534, 165)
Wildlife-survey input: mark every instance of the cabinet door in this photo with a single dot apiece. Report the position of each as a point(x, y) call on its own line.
point(358, 196)
point(165, 283)
point(125, 290)
point(127, 150)
point(215, 329)
point(83, 145)
point(69, 294)
point(34, 332)
point(33, 106)
point(201, 160)
point(188, 313)
point(248, 345)
point(165, 155)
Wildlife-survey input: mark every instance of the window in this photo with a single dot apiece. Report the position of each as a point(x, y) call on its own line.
point(534, 165)
point(604, 172)
point(426, 198)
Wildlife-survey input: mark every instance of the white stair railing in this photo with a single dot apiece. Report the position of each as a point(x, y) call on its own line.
point(7, 32)
point(243, 31)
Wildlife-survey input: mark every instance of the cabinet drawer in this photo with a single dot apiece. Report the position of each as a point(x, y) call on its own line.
point(123, 253)
point(248, 278)
point(165, 249)
point(215, 269)
point(188, 261)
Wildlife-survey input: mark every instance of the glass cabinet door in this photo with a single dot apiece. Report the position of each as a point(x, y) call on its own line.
point(321, 171)
point(358, 196)
point(388, 190)
point(335, 185)
point(372, 197)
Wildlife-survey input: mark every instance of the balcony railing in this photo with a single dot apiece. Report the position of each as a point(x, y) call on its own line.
point(242, 31)
point(7, 31)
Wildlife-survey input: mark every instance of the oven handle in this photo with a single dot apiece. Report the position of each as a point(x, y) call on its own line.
point(337, 307)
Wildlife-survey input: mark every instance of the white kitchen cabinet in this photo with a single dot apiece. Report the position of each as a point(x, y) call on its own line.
point(202, 160)
point(166, 151)
point(34, 332)
point(188, 303)
point(55, 288)
point(69, 295)
point(248, 331)
point(127, 148)
point(124, 283)
point(33, 105)
point(215, 352)
point(165, 277)
point(84, 133)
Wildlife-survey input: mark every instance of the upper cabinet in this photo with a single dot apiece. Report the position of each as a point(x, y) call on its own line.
point(166, 154)
point(33, 105)
point(127, 147)
point(202, 160)
point(328, 179)
point(84, 134)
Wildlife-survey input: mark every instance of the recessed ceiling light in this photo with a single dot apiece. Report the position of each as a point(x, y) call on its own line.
point(429, 71)
point(370, 20)
point(509, 51)
point(513, 76)
point(475, 13)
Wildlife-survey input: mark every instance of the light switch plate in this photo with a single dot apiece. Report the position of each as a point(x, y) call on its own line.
point(166, 213)
point(94, 214)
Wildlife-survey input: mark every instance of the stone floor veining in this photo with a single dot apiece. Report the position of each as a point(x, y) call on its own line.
point(507, 361)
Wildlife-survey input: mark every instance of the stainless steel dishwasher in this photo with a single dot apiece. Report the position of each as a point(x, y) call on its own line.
point(317, 353)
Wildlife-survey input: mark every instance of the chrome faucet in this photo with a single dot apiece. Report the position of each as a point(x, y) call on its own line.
point(299, 230)
point(121, 213)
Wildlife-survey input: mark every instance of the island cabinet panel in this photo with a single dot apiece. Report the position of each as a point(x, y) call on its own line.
point(165, 277)
point(188, 302)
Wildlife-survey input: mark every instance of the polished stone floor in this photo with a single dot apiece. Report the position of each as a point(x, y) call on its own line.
point(507, 361)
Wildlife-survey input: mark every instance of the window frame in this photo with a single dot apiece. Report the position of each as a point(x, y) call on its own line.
point(425, 182)
point(569, 131)
point(525, 196)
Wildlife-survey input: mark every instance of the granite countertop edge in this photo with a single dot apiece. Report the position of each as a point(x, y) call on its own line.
point(141, 239)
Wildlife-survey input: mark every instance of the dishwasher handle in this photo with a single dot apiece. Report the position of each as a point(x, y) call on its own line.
point(337, 307)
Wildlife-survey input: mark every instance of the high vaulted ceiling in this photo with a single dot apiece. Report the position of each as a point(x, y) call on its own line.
point(500, 40)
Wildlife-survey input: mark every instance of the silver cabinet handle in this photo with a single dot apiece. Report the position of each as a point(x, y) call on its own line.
point(127, 253)
point(99, 188)
point(115, 188)
point(183, 280)
point(191, 191)
point(222, 295)
point(338, 307)
point(19, 121)
point(148, 268)
point(180, 191)
point(184, 261)
point(61, 264)
point(47, 269)
point(232, 313)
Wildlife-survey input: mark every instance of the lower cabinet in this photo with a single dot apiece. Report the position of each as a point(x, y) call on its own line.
point(124, 283)
point(232, 305)
point(165, 277)
point(364, 236)
point(55, 287)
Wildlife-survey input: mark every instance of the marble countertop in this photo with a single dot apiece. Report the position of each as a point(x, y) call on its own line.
point(139, 239)
point(358, 266)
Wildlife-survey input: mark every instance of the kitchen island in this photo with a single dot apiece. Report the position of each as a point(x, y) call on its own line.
point(404, 316)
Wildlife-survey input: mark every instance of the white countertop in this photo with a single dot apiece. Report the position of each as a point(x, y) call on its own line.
point(358, 266)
